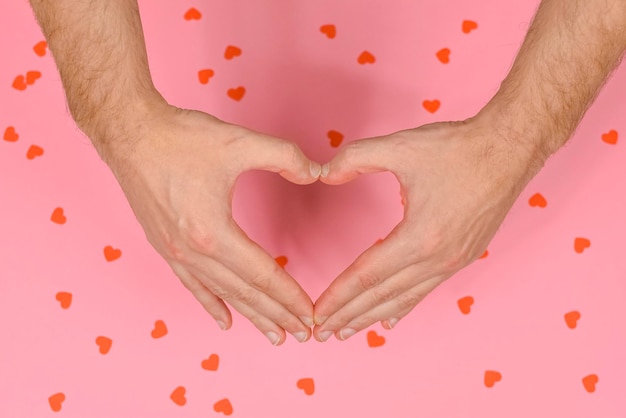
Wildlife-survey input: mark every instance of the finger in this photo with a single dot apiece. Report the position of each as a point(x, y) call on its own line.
point(389, 289)
point(394, 309)
point(270, 317)
point(260, 270)
point(365, 156)
point(371, 268)
point(211, 303)
point(264, 152)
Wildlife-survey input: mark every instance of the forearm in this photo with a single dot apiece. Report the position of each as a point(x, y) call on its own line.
point(100, 51)
point(571, 48)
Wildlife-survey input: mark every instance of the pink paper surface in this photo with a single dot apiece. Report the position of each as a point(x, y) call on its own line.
point(299, 85)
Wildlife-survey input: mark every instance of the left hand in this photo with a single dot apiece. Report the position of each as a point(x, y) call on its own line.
point(458, 181)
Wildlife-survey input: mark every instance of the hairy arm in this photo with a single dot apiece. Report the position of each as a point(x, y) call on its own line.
point(570, 50)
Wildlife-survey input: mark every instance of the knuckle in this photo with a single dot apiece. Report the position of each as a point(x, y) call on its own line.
point(174, 249)
point(200, 241)
point(291, 152)
point(245, 295)
point(408, 300)
point(368, 280)
point(382, 295)
point(262, 281)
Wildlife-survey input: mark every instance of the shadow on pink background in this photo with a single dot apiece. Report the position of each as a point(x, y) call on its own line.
point(299, 85)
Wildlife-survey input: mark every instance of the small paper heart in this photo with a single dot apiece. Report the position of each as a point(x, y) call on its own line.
point(589, 382)
point(56, 401)
point(178, 396)
point(465, 304)
point(193, 14)
point(307, 385)
point(58, 217)
point(281, 260)
point(224, 406)
point(610, 137)
point(491, 377)
point(571, 319)
point(537, 201)
point(159, 329)
point(580, 244)
point(104, 344)
point(485, 255)
point(65, 298)
point(40, 48)
point(19, 83)
point(329, 30)
point(468, 26)
point(237, 93)
point(232, 52)
point(10, 134)
point(111, 254)
point(443, 55)
point(431, 105)
point(34, 151)
point(32, 76)
point(375, 340)
point(366, 57)
point(205, 75)
point(335, 138)
point(211, 363)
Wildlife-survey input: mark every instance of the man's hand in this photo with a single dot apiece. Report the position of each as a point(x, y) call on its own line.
point(177, 169)
point(458, 181)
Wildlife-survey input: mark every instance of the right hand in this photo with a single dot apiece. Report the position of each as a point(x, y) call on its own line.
point(177, 169)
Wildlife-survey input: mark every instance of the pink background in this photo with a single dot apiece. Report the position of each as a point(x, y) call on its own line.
point(299, 85)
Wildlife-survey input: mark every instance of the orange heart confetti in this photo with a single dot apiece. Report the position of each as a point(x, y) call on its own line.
point(111, 254)
point(366, 57)
point(589, 382)
point(19, 83)
point(237, 94)
point(465, 304)
point(491, 377)
point(40, 48)
point(571, 319)
point(10, 134)
point(468, 26)
point(211, 363)
point(375, 340)
point(178, 396)
point(307, 385)
point(329, 30)
point(159, 330)
point(56, 401)
point(485, 255)
point(610, 137)
point(32, 76)
point(443, 55)
point(193, 14)
point(205, 75)
point(580, 244)
point(224, 406)
point(104, 344)
point(281, 260)
point(232, 52)
point(58, 217)
point(537, 200)
point(65, 298)
point(335, 138)
point(34, 151)
point(431, 105)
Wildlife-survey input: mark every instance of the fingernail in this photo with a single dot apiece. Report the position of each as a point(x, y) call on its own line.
point(324, 335)
point(306, 320)
point(315, 169)
point(346, 333)
point(392, 322)
point(319, 320)
point(273, 337)
point(325, 170)
point(300, 336)
point(222, 325)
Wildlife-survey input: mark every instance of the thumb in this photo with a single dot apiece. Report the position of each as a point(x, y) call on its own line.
point(264, 152)
point(365, 156)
